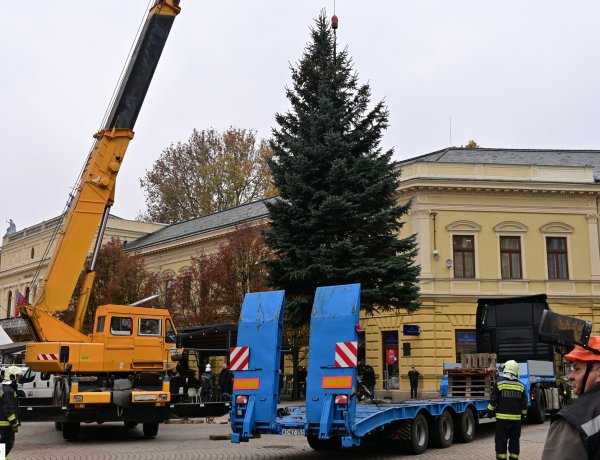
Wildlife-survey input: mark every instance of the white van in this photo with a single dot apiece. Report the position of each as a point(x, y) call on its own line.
point(38, 387)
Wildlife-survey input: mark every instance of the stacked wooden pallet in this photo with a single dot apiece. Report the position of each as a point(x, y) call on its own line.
point(478, 360)
point(475, 379)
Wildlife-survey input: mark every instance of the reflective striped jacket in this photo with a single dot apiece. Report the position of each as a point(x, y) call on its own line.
point(9, 406)
point(508, 400)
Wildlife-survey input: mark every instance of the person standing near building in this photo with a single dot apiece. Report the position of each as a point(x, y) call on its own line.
point(226, 382)
point(413, 378)
point(9, 422)
point(574, 431)
point(508, 403)
point(368, 380)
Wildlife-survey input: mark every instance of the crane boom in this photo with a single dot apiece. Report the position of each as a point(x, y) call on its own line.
point(96, 187)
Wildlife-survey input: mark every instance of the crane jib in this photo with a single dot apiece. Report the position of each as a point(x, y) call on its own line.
point(140, 70)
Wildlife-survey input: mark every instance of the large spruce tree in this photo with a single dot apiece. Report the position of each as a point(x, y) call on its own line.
point(337, 219)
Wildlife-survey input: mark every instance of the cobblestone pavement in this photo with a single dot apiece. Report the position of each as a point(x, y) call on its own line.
point(37, 441)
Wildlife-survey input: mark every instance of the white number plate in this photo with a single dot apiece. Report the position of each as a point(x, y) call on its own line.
point(292, 432)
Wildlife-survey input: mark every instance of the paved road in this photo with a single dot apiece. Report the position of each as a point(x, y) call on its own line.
point(37, 441)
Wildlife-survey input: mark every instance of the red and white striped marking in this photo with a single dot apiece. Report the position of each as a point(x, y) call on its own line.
point(47, 357)
point(239, 358)
point(346, 354)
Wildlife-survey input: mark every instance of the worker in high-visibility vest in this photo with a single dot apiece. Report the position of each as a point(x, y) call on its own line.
point(9, 409)
point(508, 403)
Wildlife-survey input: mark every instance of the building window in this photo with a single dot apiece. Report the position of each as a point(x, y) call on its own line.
point(465, 342)
point(32, 253)
point(186, 293)
point(556, 252)
point(510, 257)
point(463, 247)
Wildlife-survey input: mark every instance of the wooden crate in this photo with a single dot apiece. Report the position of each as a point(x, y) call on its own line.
point(485, 360)
point(471, 383)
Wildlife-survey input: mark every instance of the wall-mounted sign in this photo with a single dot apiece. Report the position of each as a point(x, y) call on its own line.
point(411, 329)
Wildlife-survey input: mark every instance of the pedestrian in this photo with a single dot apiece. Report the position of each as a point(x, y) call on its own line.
point(368, 380)
point(413, 378)
point(226, 382)
point(9, 422)
point(360, 368)
point(508, 403)
point(574, 430)
point(302, 381)
point(206, 384)
point(175, 381)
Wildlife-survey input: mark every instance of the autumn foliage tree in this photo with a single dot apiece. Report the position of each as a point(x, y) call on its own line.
point(210, 172)
point(212, 289)
point(121, 278)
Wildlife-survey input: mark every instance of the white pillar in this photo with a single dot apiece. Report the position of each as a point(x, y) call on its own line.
point(594, 242)
point(421, 227)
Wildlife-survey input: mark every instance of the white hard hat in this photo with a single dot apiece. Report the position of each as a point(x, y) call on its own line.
point(207, 368)
point(12, 372)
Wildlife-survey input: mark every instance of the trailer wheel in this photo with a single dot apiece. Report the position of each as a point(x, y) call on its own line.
point(419, 435)
point(70, 430)
point(150, 429)
point(465, 426)
point(537, 411)
point(333, 443)
point(442, 431)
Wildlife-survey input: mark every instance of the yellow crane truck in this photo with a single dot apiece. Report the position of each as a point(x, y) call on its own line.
point(119, 371)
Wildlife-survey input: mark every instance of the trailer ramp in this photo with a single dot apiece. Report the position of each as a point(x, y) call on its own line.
point(255, 362)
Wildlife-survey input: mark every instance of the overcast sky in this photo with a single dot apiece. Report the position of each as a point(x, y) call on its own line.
point(513, 74)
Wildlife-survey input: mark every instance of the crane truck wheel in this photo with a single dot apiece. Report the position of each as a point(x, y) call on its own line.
point(537, 411)
point(442, 430)
point(70, 430)
point(465, 426)
point(419, 435)
point(150, 429)
point(333, 443)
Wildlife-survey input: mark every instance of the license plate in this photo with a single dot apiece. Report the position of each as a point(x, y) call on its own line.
point(292, 432)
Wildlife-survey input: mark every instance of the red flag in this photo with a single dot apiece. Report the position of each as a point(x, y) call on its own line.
point(21, 300)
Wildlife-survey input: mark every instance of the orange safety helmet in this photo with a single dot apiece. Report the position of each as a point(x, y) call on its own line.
point(581, 354)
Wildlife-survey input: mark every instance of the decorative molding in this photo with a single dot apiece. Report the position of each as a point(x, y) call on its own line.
point(556, 227)
point(463, 226)
point(591, 218)
point(420, 212)
point(510, 226)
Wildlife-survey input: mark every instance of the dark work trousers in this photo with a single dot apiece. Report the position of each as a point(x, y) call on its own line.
point(507, 432)
point(7, 437)
point(413, 390)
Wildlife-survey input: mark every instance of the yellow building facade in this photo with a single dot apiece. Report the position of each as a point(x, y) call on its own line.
point(486, 230)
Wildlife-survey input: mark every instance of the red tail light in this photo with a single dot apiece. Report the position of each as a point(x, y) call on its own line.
point(341, 399)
